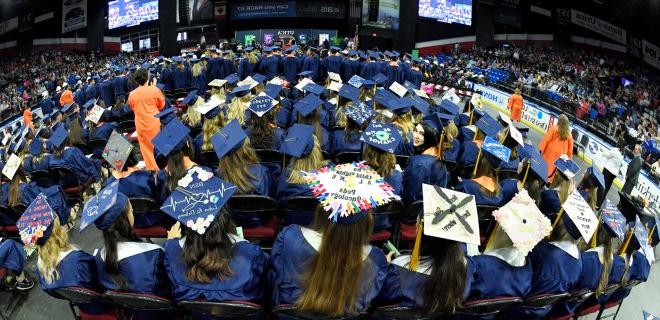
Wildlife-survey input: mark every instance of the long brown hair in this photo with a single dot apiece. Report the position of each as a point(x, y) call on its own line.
point(175, 166)
point(120, 231)
point(450, 133)
point(329, 285)
point(261, 130)
point(207, 256)
point(605, 240)
point(234, 167)
point(564, 127)
point(313, 119)
point(443, 291)
point(15, 194)
point(383, 162)
point(75, 133)
point(484, 168)
point(564, 185)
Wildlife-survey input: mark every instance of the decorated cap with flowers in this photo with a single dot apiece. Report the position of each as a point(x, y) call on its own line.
point(34, 224)
point(348, 191)
point(198, 199)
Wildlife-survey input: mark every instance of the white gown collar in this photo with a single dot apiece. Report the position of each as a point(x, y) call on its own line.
point(567, 246)
point(314, 237)
point(232, 237)
point(510, 255)
point(129, 249)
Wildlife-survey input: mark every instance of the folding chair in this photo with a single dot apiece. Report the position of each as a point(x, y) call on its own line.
point(263, 206)
point(224, 310)
point(79, 296)
point(486, 221)
point(94, 144)
point(408, 223)
point(290, 312)
point(269, 156)
point(69, 182)
point(387, 214)
point(544, 301)
point(146, 205)
point(488, 307)
point(592, 306)
point(298, 210)
point(130, 303)
point(209, 159)
point(8, 218)
point(126, 126)
point(397, 312)
point(41, 178)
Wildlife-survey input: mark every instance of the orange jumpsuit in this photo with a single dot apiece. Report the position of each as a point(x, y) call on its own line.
point(27, 117)
point(66, 97)
point(552, 147)
point(516, 107)
point(146, 102)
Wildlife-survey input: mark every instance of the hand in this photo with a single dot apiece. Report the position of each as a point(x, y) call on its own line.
point(388, 256)
point(175, 231)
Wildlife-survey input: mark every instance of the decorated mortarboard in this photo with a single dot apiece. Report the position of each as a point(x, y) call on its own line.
point(539, 167)
point(379, 78)
point(581, 215)
point(308, 104)
point(117, 150)
point(34, 225)
point(314, 88)
point(641, 239)
point(171, 137)
point(566, 167)
point(451, 96)
point(359, 112)
point(335, 86)
point(36, 146)
point(348, 191)
point(228, 139)
point(334, 76)
point(421, 93)
point(523, 223)
point(95, 114)
point(241, 90)
point(356, 81)
point(190, 98)
point(382, 136)
point(298, 140)
point(504, 119)
point(305, 73)
point(613, 220)
point(597, 176)
point(11, 166)
point(104, 208)
point(273, 90)
point(398, 89)
point(217, 83)
point(259, 78)
point(249, 81)
point(488, 125)
point(349, 92)
point(261, 104)
point(449, 106)
point(494, 151)
point(450, 214)
point(58, 136)
point(166, 115)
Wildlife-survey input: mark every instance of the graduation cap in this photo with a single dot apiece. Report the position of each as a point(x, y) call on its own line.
point(104, 208)
point(267, 49)
point(198, 199)
point(613, 220)
point(349, 92)
point(382, 136)
point(67, 107)
point(117, 150)
point(259, 78)
point(336, 86)
point(95, 114)
point(241, 90)
point(261, 104)
point(166, 115)
point(398, 89)
point(449, 106)
point(232, 78)
point(217, 83)
point(421, 93)
point(538, 166)
point(488, 125)
point(523, 223)
point(19, 146)
point(379, 78)
point(273, 90)
point(495, 152)
point(504, 119)
point(583, 222)
point(58, 136)
point(359, 113)
point(640, 240)
point(356, 81)
point(11, 166)
point(434, 122)
point(34, 226)
point(566, 167)
point(335, 49)
point(251, 83)
point(450, 214)
point(334, 76)
point(305, 74)
point(513, 138)
point(418, 104)
point(36, 146)
point(228, 139)
point(314, 88)
point(90, 103)
point(596, 176)
point(389, 101)
point(190, 98)
point(649, 316)
point(298, 140)
point(171, 138)
point(348, 199)
point(308, 104)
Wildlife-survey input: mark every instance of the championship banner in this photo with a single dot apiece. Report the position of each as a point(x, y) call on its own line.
point(651, 54)
point(74, 15)
point(598, 26)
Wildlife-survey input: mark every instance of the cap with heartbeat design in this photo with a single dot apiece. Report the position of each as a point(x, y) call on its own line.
point(198, 199)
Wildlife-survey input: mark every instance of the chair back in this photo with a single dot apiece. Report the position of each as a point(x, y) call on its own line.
point(269, 156)
point(611, 289)
point(486, 220)
point(77, 295)
point(299, 210)
point(402, 161)
point(584, 141)
point(575, 134)
point(195, 131)
point(412, 211)
point(290, 312)
point(397, 312)
point(252, 203)
point(126, 126)
point(577, 298)
point(209, 159)
point(66, 177)
point(545, 300)
point(224, 310)
point(94, 144)
point(142, 205)
point(347, 157)
point(41, 177)
point(488, 306)
point(133, 301)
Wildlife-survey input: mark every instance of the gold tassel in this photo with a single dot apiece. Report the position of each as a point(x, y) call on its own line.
point(594, 241)
point(414, 257)
point(651, 234)
point(561, 212)
point(529, 165)
point(492, 236)
point(476, 164)
point(624, 247)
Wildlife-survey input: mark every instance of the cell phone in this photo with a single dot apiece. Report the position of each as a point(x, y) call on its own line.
point(391, 248)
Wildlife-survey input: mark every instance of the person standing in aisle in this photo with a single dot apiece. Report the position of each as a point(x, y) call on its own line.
point(515, 105)
point(557, 141)
point(632, 174)
point(146, 101)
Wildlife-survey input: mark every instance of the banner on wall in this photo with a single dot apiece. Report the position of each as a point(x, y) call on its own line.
point(8, 25)
point(651, 54)
point(635, 47)
point(288, 9)
point(598, 26)
point(74, 15)
point(508, 12)
point(267, 36)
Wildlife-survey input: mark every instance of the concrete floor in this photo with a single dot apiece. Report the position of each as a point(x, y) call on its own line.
point(39, 306)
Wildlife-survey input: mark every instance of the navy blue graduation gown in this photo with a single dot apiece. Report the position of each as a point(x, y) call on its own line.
point(106, 93)
point(472, 187)
point(394, 74)
point(311, 64)
point(369, 70)
point(182, 78)
point(592, 269)
point(29, 191)
point(142, 184)
point(637, 271)
point(289, 68)
point(286, 190)
point(199, 82)
point(465, 133)
point(12, 255)
point(405, 146)
point(268, 66)
point(509, 188)
point(47, 105)
point(91, 92)
point(246, 69)
point(291, 253)
point(283, 115)
point(215, 69)
point(167, 79)
point(229, 67)
point(119, 86)
point(422, 168)
point(30, 165)
point(451, 154)
point(550, 203)
point(339, 143)
point(248, 264)
point(509, 166)
point(141, 264)
point(332, 64)
point(72, 158)
point(415, 77)
point(510, 281)
point(349, 68)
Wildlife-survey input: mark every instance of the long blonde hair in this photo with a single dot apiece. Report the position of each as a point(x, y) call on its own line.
point(450, 133)
point(50, 251)
point(312, 161)
point(209, 128)
point(564, 127)
point(564, 185)
point(218, 92)
point(234, 167)
point(237, 108)
point(406, 124)
point(192, 117)
point(252, 58)
point(383, 162)
point(197, 69)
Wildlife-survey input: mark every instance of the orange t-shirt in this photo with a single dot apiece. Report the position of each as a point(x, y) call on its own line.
point(552, 147)
point(27, 117)
point(66, 97)
point(146, 102)
point(516, 106)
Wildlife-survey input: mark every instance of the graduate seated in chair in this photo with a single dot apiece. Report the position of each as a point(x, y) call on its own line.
point(426, 165)
point(64, 154)
point(485, 184)
point(12, 258)
point(486, 126)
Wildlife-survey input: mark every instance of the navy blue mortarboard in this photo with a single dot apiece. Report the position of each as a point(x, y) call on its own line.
point(308, 104)
point(241, 90)
point(198, 199)
point(352, 52)
point(90, 103)
point(613, 220)
point(34, 225)
point(314, 88)
point(360, 113)
point(488, 125)
point(58, 136)
point(390, 102)
point(104, 208)
point(373, 54)
point(259, 78)
point(146, 65)
point(379, 78)
point(434, 121)
point(228, 139)
point(445, 117)
point(232, 78)
point(305, 73)
point(538, 166)
point(410, 86)
point(191, 97)
point(273, 90)
point(566, 167)
point(290, 49)
point(36, 146)
point(177, 59)
point(349, 92)
point(366, 83)
point(248, 49)
point(419, 104)
point(298, 141)
point(262, 104)
point(495, 152)
point(171, 138)
point(66, 107)
point(596, 176)
point(268, 49)
point(524, 131)
point(335, 48)
point(166, 115)
point(449, 106)
point(381, 136)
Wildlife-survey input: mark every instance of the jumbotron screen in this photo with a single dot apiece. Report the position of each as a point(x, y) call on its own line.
point(447, 11)
point(126, 13)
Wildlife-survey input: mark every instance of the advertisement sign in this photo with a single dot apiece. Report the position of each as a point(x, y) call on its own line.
point(287, 9)
point(74, 15)
point(651, 54)
point(271, 35)
point(598, 26)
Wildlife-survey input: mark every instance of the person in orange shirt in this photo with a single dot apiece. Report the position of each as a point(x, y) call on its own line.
point(146, 101)
point(66, 97)
point(27, 116)
point(516, 105)
point(557, 141)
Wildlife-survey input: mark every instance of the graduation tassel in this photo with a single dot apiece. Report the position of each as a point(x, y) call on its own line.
point(442, 144)
point(476, 164)
point(651, 234)
point(492, 236)
point(624, 247)
point(561, 212)
point(414, 257)
point(594, 241)
point(529, 165)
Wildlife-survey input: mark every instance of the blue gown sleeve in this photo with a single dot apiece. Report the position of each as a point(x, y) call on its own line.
point(413, 177)
point(12, 255)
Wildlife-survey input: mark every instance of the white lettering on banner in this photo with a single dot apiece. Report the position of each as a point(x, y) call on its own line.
point(598, 26)
point(531, 112)
point(651, 54)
